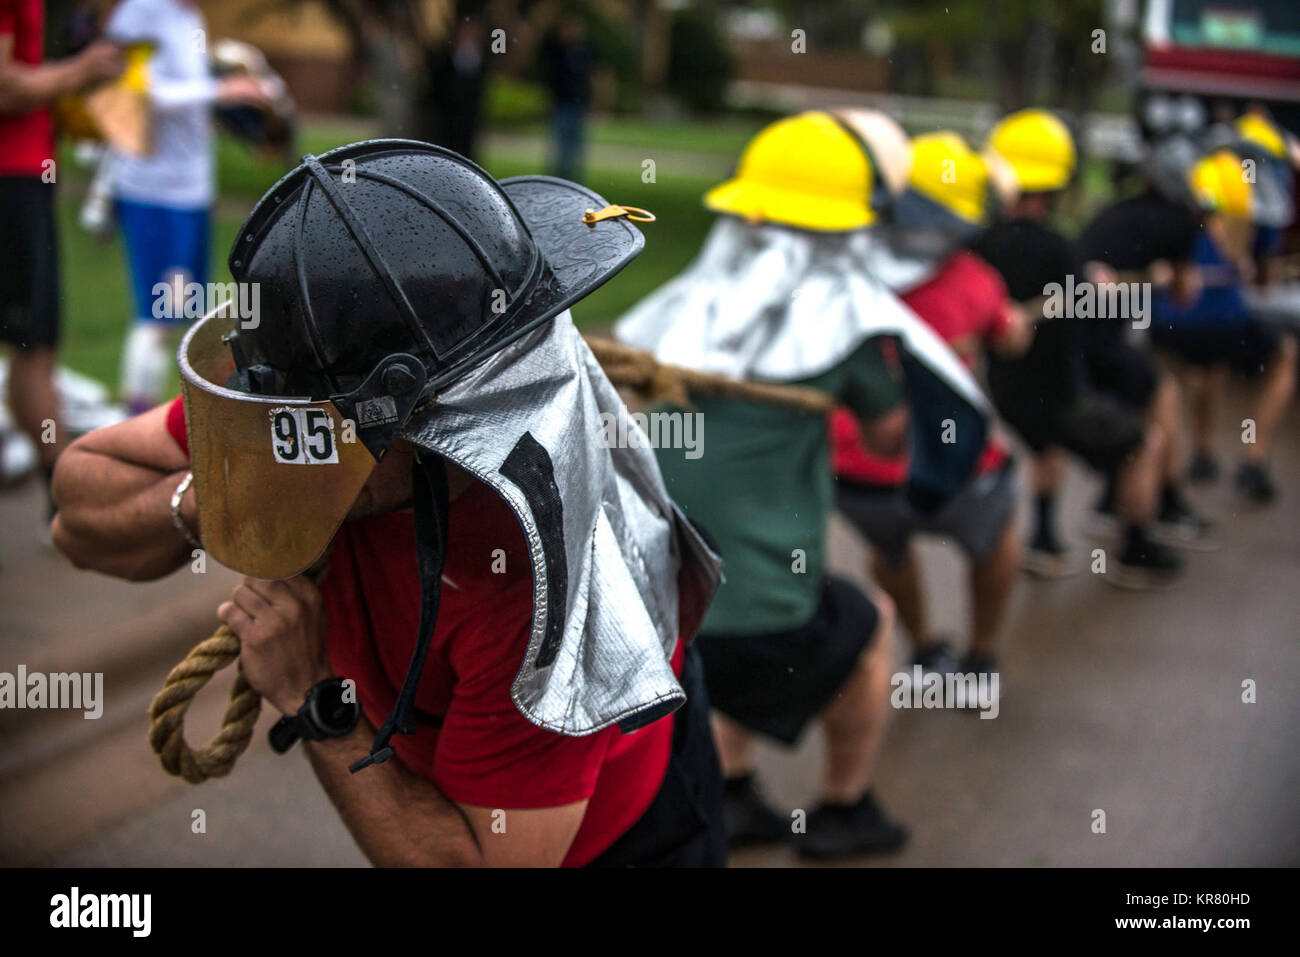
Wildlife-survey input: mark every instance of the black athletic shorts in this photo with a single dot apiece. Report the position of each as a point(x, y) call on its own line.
point(683, 827)
point(29, 279)
point(1099, 428)
point(1246, 348)
point(1118, 368)
point(775, 683)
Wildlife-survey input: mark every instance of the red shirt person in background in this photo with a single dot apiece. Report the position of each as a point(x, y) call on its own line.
point(965, 301)
point(29, 283)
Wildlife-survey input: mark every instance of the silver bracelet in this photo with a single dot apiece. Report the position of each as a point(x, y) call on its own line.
point(176, 510)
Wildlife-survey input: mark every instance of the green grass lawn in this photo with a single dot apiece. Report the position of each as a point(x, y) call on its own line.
point(97, 307)
point(724, 137)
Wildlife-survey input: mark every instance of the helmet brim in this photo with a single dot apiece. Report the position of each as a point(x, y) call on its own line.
point(763, 203)
point(274, 476)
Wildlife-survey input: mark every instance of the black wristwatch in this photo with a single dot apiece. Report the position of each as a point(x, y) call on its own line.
point(323, 715)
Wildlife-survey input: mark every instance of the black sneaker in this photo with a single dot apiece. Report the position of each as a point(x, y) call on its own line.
point(1254, 482)
point(749, 818)
point(973, 663)
point(1203, 468)
point(977, 664)
point(935, 658)
point(1178, 526)
point(847, 830)
point(1144, 563)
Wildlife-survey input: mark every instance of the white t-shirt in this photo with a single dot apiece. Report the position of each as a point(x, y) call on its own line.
point(179, 173)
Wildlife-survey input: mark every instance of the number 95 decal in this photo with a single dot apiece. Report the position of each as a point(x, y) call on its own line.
point(303, 437)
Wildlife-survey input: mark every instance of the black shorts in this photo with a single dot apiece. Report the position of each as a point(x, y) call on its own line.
point(1118, 368)
point(775, 683)
point(29, 280)
point(683, 827)
point(1246, 348)
point(1099, 428)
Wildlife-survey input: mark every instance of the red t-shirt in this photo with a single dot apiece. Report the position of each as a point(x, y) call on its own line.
point(28, 138)
point(472, 742)
point(966, 303)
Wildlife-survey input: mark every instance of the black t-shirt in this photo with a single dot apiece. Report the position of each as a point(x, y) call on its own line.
point(1030, 257)
point(1132, 234)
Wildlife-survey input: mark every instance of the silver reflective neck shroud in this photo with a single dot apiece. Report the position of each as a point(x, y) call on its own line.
point(619, 574)
point(771, 303)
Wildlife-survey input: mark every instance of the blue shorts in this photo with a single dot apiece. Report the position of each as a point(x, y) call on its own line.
point(160, 242)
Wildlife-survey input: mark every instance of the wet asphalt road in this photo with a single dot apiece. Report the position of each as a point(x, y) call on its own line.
point(1113, 701)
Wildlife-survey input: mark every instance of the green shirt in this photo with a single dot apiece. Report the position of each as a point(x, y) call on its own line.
point(761, 486)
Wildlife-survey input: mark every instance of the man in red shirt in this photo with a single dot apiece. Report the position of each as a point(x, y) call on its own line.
point(966, 303)
point(530, 660)
point(29, 283)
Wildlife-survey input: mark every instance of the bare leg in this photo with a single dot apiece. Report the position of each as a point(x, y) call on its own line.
point(854, 721)
point(735, 746)
point(1166, 411)
point(1202, 386)
point(1049, 471)
point(991, 581)
point(1137, 485)
point(1270, 403)
point(902, 583)
point(35, 402)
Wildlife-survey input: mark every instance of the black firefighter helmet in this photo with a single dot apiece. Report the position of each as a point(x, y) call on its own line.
point(383, 270)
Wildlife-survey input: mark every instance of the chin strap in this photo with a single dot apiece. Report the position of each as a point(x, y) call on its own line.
point(429, 488)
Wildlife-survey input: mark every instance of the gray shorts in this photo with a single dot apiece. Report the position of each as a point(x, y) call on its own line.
point(975, 517)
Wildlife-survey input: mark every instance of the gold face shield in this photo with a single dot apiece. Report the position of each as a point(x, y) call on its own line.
point(273, 477)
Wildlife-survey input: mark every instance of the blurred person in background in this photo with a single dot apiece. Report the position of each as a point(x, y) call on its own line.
point(778, 294)
point(1206, 322)
point(163, 200)
point(566, 68)
point(1143, 238)
point(948, 198)
point(456, 78)
point(1046, 394)
point(29, 281)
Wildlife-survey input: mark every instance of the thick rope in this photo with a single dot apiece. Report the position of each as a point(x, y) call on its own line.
point(625, 366)
point(167, 712)
point(642, 372)
point(167, 732)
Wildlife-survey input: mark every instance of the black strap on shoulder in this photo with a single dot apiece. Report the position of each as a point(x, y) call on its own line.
point(429, 488)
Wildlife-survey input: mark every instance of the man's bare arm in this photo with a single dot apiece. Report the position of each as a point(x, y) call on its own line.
point(113, 487)
point(26, 87)
point(396, 817)
point(400, 819)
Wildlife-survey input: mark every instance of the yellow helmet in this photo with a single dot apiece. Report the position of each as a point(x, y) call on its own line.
point(949, 173)
point(1220, 185)
point(1257, 129)
point(1038, 146)
point(805, 171)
